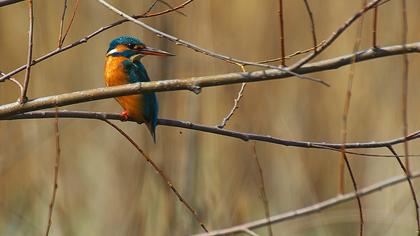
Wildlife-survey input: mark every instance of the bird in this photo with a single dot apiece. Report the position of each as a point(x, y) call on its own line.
point(123, 66)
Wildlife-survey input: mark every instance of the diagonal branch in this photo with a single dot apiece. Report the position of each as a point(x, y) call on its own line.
point(196, 83)
point(86, 38)
point(313, 208)
point(207, 52)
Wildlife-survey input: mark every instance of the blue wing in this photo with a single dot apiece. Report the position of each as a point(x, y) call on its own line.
point(137, 73)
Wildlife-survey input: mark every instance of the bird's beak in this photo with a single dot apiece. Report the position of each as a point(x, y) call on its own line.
point(155, 52)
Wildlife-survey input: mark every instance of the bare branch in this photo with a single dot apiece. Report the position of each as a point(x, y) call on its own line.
point(311, 18)
point(337, 33)
point(70, 24)
point(9, 2)
point(161, 173)
point(313, 208)
point(214, 130)
point(196, 48)
point(410, 183)
point(60, 34)
point(86, 38)
point(23, 97)
point(196, 83)
point(263, 193)
point(56, 168)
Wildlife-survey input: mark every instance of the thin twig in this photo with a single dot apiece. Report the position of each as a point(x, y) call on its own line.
point(405, 85)
point(171, 7)
point(262, 189)
point(204, 51)
point(375, 27)
point(283, 54)
point(56, 169)
point(311, 18)
point(410, 183)
point(347, 102)
point(70, 23)
point(87, 37)
point(15, 81)
point(293, 54)
point(345, 122)
point(225, 132)
point(318, 207)
point(23, 97)
point(151, 7)
point(336, 34)
point(160, 172)
point(359, 201)
point(236, 103)
point(60, 34)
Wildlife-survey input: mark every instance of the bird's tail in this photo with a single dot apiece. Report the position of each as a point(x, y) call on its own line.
point(152, 129)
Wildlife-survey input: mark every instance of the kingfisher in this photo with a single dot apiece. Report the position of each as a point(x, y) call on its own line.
point(123, 66)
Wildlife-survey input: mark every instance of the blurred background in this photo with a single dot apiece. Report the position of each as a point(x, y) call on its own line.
point(106, 188)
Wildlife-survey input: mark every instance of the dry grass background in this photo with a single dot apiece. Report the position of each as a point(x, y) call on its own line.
point(105, 187)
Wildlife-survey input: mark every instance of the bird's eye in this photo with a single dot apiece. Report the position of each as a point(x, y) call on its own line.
point(131, 46)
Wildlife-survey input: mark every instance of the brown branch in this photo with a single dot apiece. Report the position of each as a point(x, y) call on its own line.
point(337, 33)
point(410, 183)
point(262, 189)
point(86, 38)
point(9, 2)
point(311, 18)
point(359, 201)
point(375, 27)
point(235, 104)
point(283, 54)
point(56, 168)
point(196, 83)
point(214, 130)
point(70, 24)
point(204, 51)
point(345, 122)
point(313, 208)
point(292, 54)
point(404, 97)
point(23, 97)
point(161, 173)
point(60, 34)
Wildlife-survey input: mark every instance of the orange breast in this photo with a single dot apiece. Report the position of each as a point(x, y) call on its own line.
point(115, 75)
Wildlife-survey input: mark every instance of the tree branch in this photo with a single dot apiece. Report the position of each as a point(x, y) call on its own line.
point(214, 130)
point(196, 83)
point(313, 208)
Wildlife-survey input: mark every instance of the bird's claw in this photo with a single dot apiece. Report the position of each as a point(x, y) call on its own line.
point(124, 115)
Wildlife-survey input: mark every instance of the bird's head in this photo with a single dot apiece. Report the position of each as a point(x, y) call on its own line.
point(132, 48)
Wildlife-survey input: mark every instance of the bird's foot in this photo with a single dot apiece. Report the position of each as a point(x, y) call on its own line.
point(124, 115)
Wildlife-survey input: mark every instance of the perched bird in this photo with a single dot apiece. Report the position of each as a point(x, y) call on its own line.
point(123, 66)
